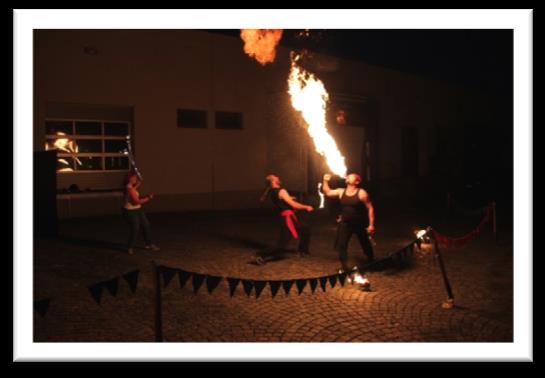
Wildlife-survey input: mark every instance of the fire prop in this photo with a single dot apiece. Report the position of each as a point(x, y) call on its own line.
point(128, 152)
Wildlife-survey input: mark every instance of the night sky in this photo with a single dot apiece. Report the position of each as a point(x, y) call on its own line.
point(473, 58)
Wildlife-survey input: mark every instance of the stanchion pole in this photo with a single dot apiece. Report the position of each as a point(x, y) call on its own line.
point(449, 303)
point(157, 303)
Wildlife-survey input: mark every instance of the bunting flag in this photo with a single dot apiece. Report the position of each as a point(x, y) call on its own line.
point(248, 286)
point(198, 279)
point(233, 282)
point(300, 285)
point(332, 280)
point(41, 306)
point(275, 285)
point(313, 283)
point(183, 276)
point(96, 291)
point(132, 279)
point(342, 278)
point(167, 273)
point(259, 286)
point(323, 283)
point(212, 282)
point(112, 285)
point(287, 286)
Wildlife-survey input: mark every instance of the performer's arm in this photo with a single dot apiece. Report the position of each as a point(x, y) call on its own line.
point(364, 197)
point(284, 195)
point(327, 190)
point(136, 199)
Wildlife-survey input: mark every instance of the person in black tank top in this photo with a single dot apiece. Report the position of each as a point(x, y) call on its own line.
point(291, 227)
point(357, 217)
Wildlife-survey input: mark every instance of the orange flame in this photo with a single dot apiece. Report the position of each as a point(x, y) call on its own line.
point(261, 43)
point(309, 96)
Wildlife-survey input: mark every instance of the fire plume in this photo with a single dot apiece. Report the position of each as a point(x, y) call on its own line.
point(261, 43)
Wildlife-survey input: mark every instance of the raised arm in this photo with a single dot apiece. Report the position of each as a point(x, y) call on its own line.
point(327, 190)
point(284, 195)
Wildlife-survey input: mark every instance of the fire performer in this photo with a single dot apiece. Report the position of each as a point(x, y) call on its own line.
point(291, 227)
point(134, 214)
point(357, 216)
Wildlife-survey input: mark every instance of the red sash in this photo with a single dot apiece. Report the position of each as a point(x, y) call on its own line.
point(289, 217)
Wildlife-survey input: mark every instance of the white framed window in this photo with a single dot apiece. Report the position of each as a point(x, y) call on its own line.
point(85, 145)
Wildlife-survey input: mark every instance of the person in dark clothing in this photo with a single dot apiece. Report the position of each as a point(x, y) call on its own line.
point(291, 227)
point(357, 217)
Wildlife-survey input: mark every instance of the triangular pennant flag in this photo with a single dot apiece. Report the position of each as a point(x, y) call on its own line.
point(323, 283)
point(167, 273)
point(300, 285)
point(183, 276)
point(248, 286)
point(287, 286)
point(259, 286)
point(41, 306)
point(233, 282)
point(342, 278)
point(198, 279)
point(96, 291)
point(275, 285)
point(132, 279)
point(313, 283)
point(332, 280)
point(112, 285)
point(212, 282)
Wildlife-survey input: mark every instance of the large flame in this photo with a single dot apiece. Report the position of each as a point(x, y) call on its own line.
point(309, 96)
point(261, 43)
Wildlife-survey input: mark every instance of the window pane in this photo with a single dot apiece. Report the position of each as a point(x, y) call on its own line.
point(116, 128)
point(117, 163)
point(191, 118)
point(89, 163)
point(88, 128)
point(115, 146)
point(89, 146)
point(65, 164)
point(54, 127)
point(229, 120)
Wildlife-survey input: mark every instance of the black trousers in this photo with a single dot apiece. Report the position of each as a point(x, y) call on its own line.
point(285, 236)
point(344, 233)
point(136, 218)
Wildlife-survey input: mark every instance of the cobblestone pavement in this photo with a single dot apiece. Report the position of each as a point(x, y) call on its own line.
point(404, 304)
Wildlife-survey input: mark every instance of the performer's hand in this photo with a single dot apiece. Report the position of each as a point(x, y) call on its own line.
point(309, 208)
point(150, 196)
point(371, 230)
point(327, 177)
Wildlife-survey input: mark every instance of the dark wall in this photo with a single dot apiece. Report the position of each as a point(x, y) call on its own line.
point(45, 194)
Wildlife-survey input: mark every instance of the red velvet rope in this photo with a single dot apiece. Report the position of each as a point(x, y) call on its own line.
point(449, 242)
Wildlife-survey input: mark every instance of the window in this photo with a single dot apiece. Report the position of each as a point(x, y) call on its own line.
point(88, 145)
point(229, 120)
point(191, 119)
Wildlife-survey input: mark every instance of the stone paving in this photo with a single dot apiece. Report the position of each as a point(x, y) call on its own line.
point(404, 304)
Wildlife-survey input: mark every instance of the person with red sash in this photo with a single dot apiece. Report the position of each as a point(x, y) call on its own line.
point(291, 226)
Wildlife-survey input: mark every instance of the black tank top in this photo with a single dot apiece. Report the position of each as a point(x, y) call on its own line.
point(279, 203)
point(352, 209)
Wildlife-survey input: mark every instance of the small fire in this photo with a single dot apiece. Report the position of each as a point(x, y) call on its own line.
point(261, 43)
point(67, 145)
point(362, 282)
point(309, 96)
point(420, 234)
